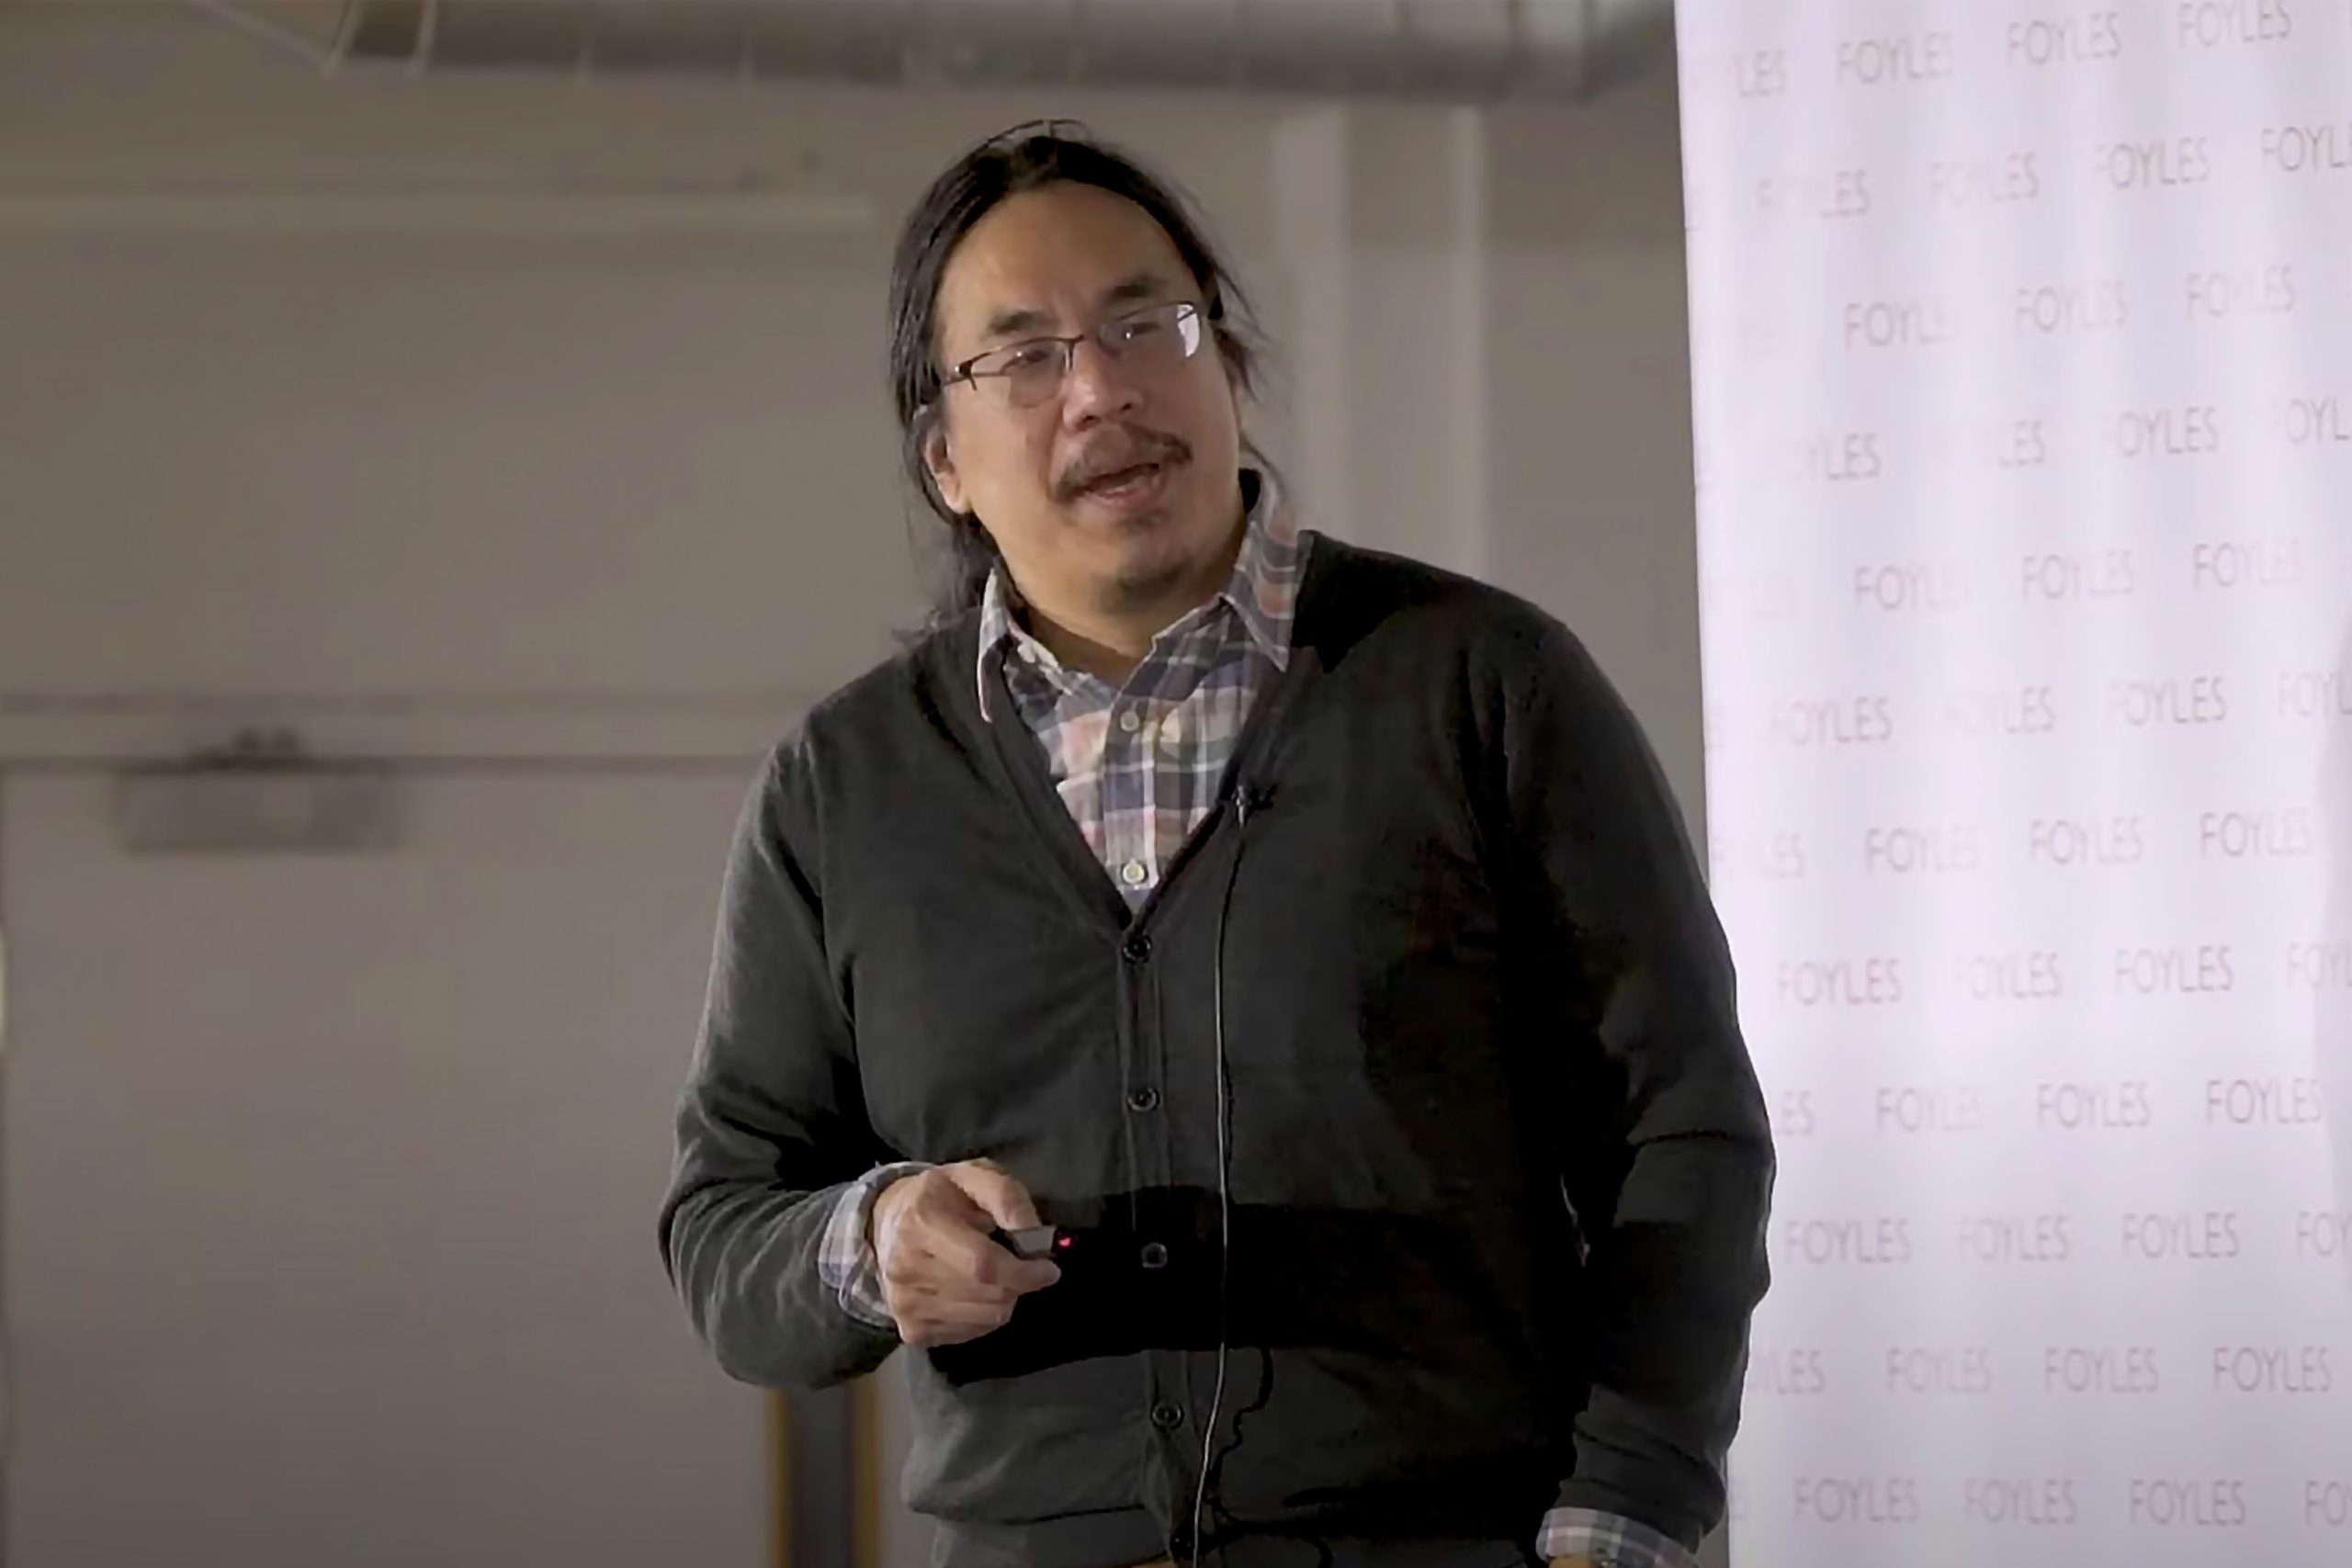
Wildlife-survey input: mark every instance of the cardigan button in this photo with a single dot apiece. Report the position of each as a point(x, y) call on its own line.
point(1144, 1100)
point(1135, 949)
point(1167, 1416)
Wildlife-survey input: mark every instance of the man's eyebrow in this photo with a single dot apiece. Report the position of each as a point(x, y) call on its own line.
point(1141, 285)
point(1020, 320)
point(1014, 321)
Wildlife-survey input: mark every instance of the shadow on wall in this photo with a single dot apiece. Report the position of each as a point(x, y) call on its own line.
point(2332, 1009)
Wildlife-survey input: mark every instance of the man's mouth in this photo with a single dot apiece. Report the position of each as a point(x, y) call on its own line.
point(1148, 461)
point(1134, 476)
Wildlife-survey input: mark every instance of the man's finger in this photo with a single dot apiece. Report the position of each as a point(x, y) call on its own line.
point(939, 1319)
point(962, 1255)
point(1000, 1196)
point(962, 1258)
point(924, 1302)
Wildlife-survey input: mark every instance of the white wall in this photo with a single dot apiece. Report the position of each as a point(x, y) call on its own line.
point(552, 449)
point(1588, 413)
point(612, 475)
point(330, 1234)
point(627, 455)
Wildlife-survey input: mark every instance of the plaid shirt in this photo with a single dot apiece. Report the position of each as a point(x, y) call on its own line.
point(1138, 765)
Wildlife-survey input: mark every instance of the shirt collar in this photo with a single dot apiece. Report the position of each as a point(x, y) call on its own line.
point(1262, 592)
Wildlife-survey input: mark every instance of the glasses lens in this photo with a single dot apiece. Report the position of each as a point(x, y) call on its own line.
point(1157, 338)
point(1025, 375)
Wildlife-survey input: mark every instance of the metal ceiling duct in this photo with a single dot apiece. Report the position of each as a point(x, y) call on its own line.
point(1459, 50)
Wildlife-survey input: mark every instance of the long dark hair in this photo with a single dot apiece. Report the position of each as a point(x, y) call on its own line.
point(1039, 152)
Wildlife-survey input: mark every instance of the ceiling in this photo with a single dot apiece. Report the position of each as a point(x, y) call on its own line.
point(1457, 50)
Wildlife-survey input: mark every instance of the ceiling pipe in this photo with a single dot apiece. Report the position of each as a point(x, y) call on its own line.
point(1478, 52)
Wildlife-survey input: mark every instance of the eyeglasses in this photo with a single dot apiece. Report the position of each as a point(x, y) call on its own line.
point(1148, 342)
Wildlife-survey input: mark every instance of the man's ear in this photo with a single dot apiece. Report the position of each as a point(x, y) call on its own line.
point(941, 462)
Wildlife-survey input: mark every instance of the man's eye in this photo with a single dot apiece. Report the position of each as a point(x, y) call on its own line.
point(1031, 355)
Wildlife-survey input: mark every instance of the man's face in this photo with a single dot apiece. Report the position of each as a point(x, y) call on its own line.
point(1122, 487)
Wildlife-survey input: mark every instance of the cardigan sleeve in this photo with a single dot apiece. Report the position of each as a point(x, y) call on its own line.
point(1664, 1148)
point(772, 1133)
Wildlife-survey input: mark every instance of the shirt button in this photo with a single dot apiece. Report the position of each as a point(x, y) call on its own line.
point(1167, 1416)
point(1135, 873)
point(1143, 1100)
point(1130, 721)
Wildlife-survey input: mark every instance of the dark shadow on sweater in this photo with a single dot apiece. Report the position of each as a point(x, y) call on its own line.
point(1359, 1281)
point(1399, 1288)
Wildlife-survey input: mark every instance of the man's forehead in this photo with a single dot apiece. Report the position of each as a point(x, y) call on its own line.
point(1023, 266)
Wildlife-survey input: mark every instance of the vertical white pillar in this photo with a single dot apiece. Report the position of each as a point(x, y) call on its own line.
point(1312, 248)
point(1470, 522)
point(1381, 218)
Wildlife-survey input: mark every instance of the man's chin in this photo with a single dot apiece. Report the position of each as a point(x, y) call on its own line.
point(1143, 583)
point(1147, 556)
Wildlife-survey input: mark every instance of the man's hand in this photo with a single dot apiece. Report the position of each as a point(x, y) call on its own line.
point(945, 1280)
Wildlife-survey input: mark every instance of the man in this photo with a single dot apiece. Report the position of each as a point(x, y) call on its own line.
point(1305, 933)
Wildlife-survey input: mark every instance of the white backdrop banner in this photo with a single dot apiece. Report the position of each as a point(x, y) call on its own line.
point(2023, 350)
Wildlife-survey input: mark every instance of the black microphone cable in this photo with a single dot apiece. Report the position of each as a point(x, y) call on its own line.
point(1246, 800)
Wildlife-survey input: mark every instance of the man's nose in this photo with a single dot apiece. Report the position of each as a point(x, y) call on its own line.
point(1097, 384)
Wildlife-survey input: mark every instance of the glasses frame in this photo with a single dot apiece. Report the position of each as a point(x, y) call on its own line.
point(1183, 312)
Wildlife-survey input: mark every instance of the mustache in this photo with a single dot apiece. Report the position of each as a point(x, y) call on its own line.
point(1120, 452)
